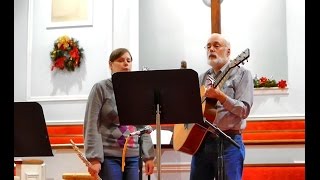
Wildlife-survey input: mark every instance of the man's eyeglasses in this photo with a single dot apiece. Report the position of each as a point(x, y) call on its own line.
point(214, 45)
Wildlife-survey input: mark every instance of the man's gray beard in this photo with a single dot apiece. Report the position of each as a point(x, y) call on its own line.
point(213, 62)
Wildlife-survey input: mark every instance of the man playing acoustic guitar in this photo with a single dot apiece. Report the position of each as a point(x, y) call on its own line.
point(227, 107)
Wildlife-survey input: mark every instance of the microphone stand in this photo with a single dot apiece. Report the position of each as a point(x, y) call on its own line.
point(221, 136)
point(140, 156)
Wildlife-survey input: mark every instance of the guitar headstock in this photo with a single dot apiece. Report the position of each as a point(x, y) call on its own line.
point(241, 58)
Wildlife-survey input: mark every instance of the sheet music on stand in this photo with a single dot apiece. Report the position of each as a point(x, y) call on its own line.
point(158, 97)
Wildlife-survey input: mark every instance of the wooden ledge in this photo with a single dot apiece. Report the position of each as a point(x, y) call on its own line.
point(32, 161)
point(257, 132)
point(275, 165)
point(76, 176)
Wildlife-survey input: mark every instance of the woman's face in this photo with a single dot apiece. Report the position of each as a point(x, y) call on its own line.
point(122, 64)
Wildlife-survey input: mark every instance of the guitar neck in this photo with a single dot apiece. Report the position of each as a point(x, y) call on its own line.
point(222, 77)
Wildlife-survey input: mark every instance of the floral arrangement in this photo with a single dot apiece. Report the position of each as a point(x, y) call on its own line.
point(266, 82)
point(66, 53)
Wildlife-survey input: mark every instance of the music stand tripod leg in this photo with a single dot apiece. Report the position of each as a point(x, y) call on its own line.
point(140, 157)
point(220, 160)
point(158, 127)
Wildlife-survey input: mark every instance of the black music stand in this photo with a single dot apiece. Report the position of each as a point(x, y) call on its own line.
point(30, 131)
point(158, 96)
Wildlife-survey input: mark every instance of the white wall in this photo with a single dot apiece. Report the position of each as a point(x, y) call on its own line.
point(171, 31)
point(34, 81)
point(115, 24)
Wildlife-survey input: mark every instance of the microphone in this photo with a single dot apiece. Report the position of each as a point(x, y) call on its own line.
point(145, 68)
point(183, 64)
point(147, 129)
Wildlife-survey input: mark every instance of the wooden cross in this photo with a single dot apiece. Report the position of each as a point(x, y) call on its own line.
point(215, 16)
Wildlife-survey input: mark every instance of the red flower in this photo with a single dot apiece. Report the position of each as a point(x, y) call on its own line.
point(282, 84)
point(59, 63)
point(263, 80)
point(74, 53)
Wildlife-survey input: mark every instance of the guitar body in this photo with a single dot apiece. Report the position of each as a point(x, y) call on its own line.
point(187, 138)
point(210, 110)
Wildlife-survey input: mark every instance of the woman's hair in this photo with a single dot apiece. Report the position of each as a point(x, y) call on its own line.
point(115, 54)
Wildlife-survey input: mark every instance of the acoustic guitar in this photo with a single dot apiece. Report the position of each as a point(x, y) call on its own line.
point(187, 138)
